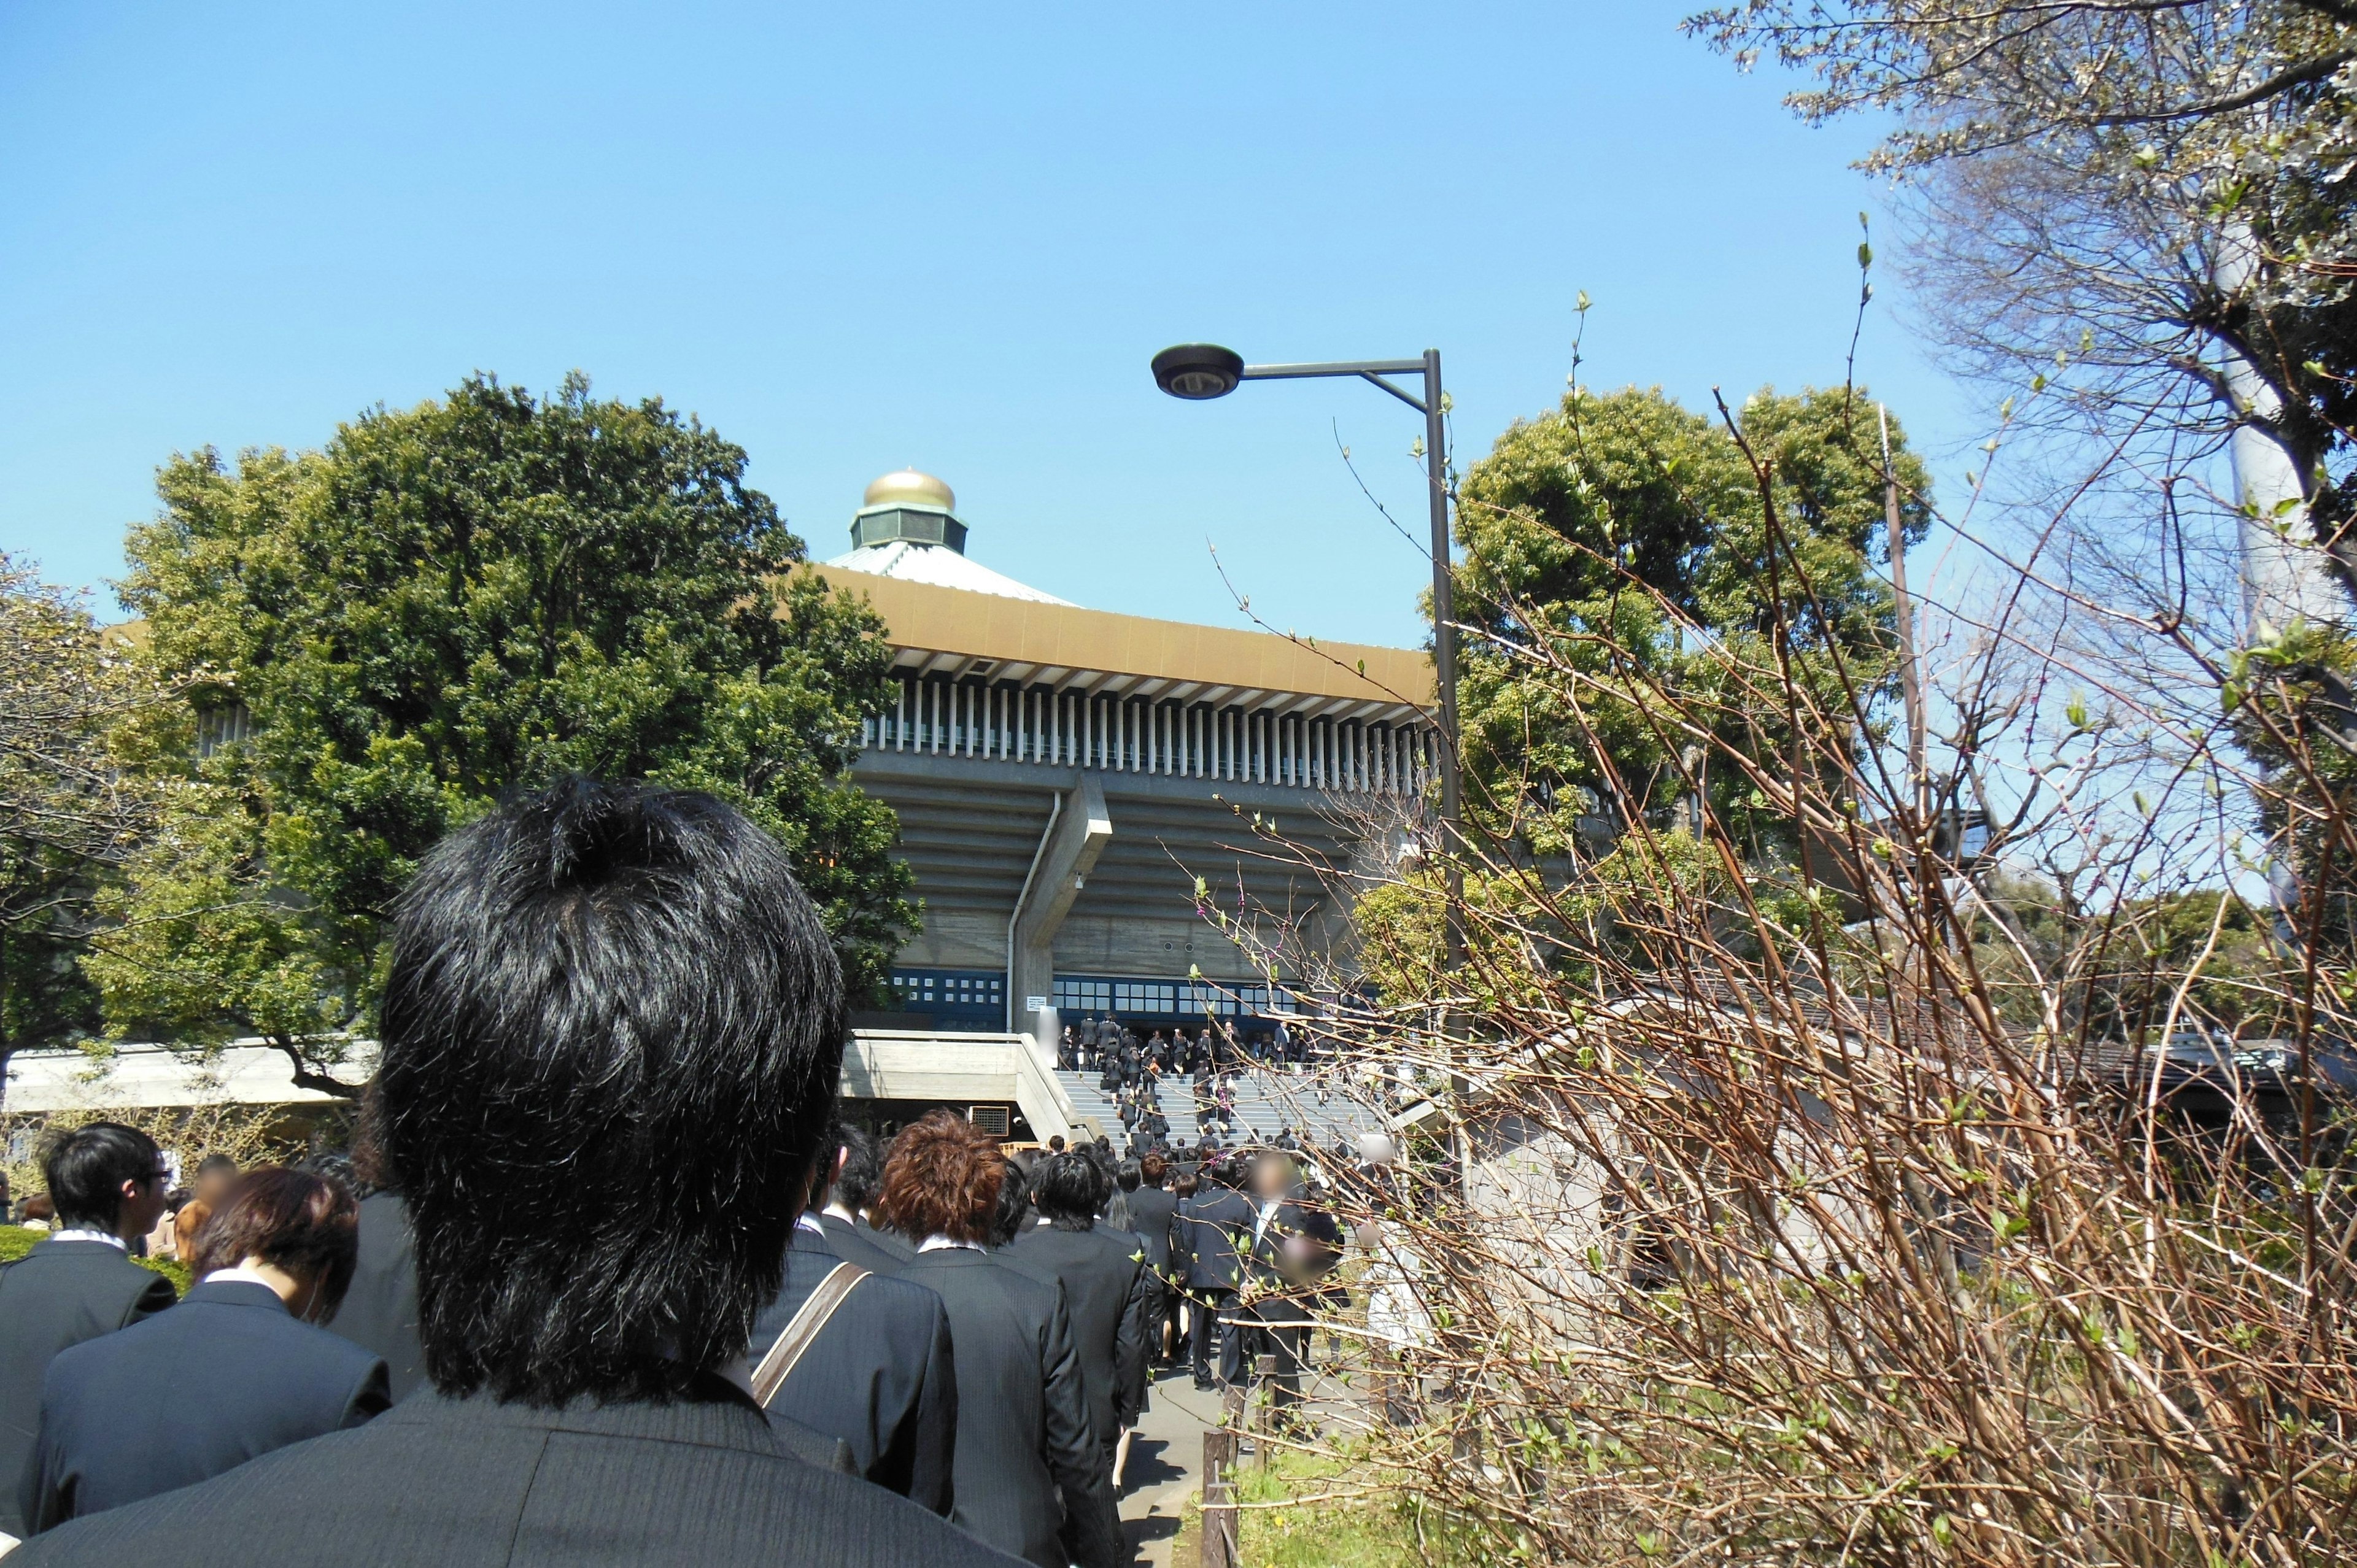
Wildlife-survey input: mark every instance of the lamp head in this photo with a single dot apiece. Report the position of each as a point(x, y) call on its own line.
point(1197, 370)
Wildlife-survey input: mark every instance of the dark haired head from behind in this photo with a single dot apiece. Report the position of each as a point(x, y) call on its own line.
point(613, 982)
point(301, 1224)
point(105, 1176)
point(1012, 1213)
point(1067, 1190)
point(861, 1176)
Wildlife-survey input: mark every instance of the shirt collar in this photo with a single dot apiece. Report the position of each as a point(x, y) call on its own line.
point(86, 1233)
point(944, 1243)
point(839, 1212)
point(804, 1222)
point(240, 1276)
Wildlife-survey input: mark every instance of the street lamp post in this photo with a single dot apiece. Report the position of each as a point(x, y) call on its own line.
point(1198, 371)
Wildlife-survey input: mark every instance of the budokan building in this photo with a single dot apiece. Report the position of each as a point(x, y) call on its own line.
point(1071, 782)
point(1072, 786)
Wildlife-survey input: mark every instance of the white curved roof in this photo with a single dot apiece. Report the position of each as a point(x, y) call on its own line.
point(937, 564)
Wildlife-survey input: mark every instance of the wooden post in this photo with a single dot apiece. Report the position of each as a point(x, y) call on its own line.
point(1265, 1385)
point(1219, 1454)
point(1221, 1546)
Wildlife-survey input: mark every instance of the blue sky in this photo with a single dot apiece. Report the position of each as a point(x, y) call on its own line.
point(852, 238)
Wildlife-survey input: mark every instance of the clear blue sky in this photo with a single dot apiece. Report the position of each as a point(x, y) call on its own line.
point(856, 237)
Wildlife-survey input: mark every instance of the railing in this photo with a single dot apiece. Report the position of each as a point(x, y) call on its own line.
point(1049, 728)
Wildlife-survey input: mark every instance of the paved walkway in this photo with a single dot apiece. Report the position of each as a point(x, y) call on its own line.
point(1163, 1459)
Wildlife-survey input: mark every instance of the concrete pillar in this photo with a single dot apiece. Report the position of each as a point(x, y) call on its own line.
point(1080, 835)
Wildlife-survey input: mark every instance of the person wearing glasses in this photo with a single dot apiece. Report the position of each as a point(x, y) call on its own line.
point(107, 1182)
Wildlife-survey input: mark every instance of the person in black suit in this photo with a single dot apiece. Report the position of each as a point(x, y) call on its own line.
point(1294, 1245)
point(1107, 1290)
point(856, 1185)
point(1208, 1253)
point(107, 1182)
point(880, 1375)
point(1152, 1213)
point(379, 1312)
point(237, 1370)
point(1023, 1429)
point(611, 1032)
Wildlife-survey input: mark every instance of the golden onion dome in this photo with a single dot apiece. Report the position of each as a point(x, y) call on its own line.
point(910, 488)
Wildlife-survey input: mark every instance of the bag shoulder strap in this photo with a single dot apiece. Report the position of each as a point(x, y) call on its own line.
point(778, 1362)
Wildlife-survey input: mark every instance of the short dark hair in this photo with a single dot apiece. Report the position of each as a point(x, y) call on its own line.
point(1066, 1190)
point(943, 1179)
point(612, 1033)
point(87, 1166)
point(1128, 1173)
point(304, 1223)
point(863, 1167)
point(1153, 1168)
point(212, 1162)
point(1013, 1210)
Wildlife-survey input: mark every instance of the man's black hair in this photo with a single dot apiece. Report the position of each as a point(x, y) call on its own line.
point(211, 1163)
point(1067, 1190)
point(863, 1168)
point(1013, 1214)
point(86, 1169)
point(1128, 1174)
point(612, 1032)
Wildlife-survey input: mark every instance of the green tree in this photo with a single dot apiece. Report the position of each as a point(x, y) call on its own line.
point(1621, 547)
point(449, 602)
point(68, 813)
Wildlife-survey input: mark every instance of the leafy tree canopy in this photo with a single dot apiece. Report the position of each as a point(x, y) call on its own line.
point(69, 812)
point(449, 602)
point(1622, 548)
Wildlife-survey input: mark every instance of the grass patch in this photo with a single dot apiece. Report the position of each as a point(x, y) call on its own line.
point(1347, 1531)
point(16, 1241)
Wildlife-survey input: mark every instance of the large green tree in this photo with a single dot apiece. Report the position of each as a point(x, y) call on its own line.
point(447, 603)
point(1622, 548)
point(69, 813)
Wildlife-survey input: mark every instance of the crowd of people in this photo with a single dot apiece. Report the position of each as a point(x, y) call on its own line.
point(1181, 1051)
point(1132, 1071)
point(612, 1281)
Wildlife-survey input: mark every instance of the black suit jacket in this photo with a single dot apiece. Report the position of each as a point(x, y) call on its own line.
point(1213, 1230)
point(57, 1295)
point(1023, 1413)
point(861, 1244)
point(1315, 1241)
point(475, 1484)
point(1107, 1292)
point(891, 1242)
point(187, 1395)
point(880, 1375)
point(380, 1311)
point(1152, 1212)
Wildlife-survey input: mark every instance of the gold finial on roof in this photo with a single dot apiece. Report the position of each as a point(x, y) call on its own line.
point(908, 487)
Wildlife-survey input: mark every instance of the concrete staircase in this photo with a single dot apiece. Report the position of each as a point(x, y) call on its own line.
point(1265, 1102)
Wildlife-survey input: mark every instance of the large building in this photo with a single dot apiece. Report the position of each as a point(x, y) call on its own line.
point(1074, 786)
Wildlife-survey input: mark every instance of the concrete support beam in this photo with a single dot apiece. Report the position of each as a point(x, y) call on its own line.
point(1078, 835)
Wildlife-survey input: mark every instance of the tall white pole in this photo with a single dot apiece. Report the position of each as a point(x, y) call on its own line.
point(2283, 578)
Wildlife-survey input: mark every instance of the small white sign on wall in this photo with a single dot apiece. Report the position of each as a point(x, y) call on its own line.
point(1034, 1004)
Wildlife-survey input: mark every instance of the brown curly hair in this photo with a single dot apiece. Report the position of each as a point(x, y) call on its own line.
point(941, 1180)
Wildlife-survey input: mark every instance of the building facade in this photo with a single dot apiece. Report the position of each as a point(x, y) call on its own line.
point(1081, 793)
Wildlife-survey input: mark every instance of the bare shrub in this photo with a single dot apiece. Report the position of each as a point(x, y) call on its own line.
point(1902, 1198)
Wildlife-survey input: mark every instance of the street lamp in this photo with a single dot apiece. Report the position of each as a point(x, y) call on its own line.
point(1200, 371)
